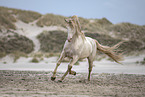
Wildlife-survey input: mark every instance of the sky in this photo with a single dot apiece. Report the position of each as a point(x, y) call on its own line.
point(116, 11)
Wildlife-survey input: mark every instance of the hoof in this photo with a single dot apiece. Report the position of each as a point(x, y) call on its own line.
point(53, 78)
point(73, 73)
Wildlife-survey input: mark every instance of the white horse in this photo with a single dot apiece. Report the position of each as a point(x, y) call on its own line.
point(77, 46)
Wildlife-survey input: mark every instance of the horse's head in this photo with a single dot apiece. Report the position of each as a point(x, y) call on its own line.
point(73, 27)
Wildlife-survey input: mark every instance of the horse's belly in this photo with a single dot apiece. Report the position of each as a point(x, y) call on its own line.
point(89, 48)
point(85, 53)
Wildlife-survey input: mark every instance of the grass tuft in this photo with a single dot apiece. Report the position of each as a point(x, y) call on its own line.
point(14, 43)
point(35, 60)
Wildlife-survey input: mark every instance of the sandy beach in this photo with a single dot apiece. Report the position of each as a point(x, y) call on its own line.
point(26, 79)
point(39, 84)
point(30, 47)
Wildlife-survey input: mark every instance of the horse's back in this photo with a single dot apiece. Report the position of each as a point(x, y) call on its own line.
point(93, 46)
point(89, 47)
point(90, 40)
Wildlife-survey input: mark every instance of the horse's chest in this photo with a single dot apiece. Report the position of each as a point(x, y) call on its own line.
point(69, 54)
point(71, 51)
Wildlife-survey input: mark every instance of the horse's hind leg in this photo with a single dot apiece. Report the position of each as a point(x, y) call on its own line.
point(58, 63)
point(72, 72)
point(90, 67)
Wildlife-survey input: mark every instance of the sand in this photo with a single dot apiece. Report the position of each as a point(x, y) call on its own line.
point(39, 84)
point(48, 64)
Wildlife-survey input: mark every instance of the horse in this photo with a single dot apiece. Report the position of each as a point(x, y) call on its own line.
point(78, 46)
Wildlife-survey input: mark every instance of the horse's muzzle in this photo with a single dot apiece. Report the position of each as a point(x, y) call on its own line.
point(69, 39)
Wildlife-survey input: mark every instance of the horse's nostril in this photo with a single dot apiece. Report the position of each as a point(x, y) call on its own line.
point(69, 39)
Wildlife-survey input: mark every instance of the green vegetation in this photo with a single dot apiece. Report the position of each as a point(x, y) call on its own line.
point(8, 16)
point(6, 19)
point(103, 39)
point(128, 30)
point(4, 62)
point(51, 20)
point(130, 46)
point(97, 25)
point(35, 60)
point(11, 42)
point(141, 62)
point(17, 54)
point(133, 33)
point(27, 16)
point(2, 54)
point(52, 41)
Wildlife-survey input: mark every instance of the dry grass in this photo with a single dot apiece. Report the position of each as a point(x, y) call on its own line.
point(128, 30)
point(27, 16)
point(17, 54)
point(51, 20)
point(141, 62)
point(52, 41)
point(49, 42)
point(11, 42)
point(103, 39)
point(96, 26)
point(35, 60)
point(99, 29)
point(9, 16)
point(6, 19)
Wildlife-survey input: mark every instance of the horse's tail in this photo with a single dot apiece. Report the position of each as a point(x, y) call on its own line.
point(111, 51)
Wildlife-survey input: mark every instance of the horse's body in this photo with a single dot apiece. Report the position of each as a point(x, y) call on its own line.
point(82, 48)
point(77, 46)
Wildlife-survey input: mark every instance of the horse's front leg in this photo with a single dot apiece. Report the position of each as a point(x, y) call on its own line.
point(58, 63)
point(73, 61)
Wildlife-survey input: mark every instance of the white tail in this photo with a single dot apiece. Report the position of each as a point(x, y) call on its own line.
point(111, 51)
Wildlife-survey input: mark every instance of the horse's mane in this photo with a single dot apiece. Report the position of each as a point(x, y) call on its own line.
point(77, 25)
